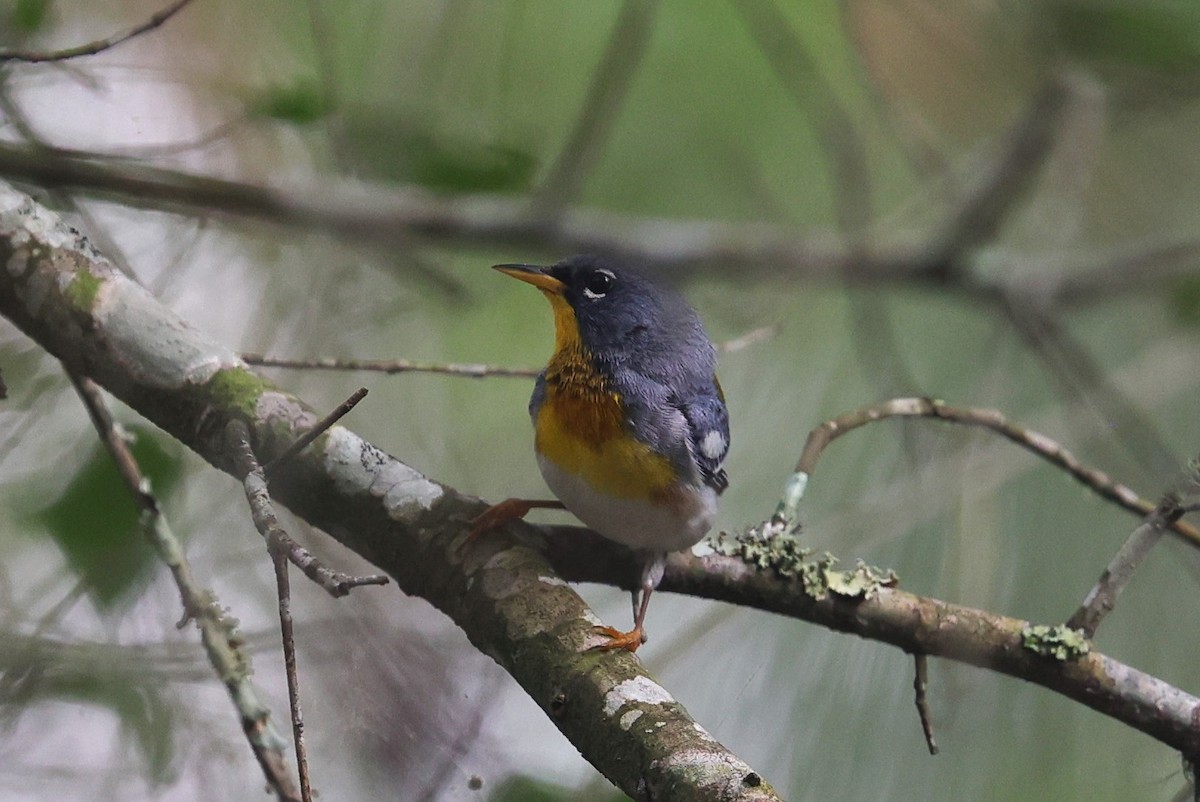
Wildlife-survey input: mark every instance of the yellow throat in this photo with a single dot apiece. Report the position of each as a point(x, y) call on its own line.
point(580, 425)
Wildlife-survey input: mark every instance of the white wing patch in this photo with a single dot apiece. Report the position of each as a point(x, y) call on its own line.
point(713, 445)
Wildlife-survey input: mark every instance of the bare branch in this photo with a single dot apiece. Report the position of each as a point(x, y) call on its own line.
point(1081, 378)
point(262, 510)
point(1102, 598)
point(798, 73)
point(472, 370)
point(279, 561)
point(405, 215)
point(319, 428)
point(390, 366)
point(920, 685)
point(97, 46)
point(916, 624)
point(1004, 182)
point(1097, 481)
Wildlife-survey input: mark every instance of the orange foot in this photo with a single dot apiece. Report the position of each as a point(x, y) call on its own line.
point(511, 509)
point(629, 641)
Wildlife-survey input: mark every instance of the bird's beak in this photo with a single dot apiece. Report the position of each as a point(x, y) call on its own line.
point(537, 276)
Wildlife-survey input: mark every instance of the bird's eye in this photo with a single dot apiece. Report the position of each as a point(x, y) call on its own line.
point(598, 284)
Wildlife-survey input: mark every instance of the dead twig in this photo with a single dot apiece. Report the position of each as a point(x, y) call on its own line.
point(1048, 449)
point(97, 46)
point(1102, 598)
point(319, 428)
point(335, 583)
point(920, 684)
point(470, 370)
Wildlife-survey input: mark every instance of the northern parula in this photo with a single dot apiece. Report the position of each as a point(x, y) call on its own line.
point(630, 421)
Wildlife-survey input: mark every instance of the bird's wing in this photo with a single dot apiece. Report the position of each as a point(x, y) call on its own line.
point(708, 430)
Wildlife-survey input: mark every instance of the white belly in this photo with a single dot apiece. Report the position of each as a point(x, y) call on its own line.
point(636, 523)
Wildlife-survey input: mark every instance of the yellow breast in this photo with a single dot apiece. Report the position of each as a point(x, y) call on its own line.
point(580, 427)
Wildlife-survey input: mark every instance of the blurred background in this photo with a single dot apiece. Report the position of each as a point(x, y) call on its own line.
point(990, 203)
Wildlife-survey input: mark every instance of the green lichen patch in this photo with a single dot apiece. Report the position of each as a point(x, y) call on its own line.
point(83, 290)
point(238, 388)
point(1058, 642)
point(782, 553)
point(861, 582)
point(816, 583)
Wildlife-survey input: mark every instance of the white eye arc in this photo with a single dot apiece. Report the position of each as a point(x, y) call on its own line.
point(598, 284)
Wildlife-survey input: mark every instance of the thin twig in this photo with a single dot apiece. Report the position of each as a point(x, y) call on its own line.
point(262, 510)
point(1102, 598)
point(1099, 482)
point(278, 542)
point(391, 366)
point(97, 46)
point(920, 684)
point(318, 428)
point(287, 634)
point(222, 642)
point(470, 370)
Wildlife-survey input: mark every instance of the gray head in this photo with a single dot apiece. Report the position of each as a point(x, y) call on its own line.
point(623, 317)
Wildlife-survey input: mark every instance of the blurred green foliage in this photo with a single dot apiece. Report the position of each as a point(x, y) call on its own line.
point(1185, 301)
point(386, 147)
point(300, 103)
point(95, 521)
point(1160, 36)
point(30, 15)
point(145, 714)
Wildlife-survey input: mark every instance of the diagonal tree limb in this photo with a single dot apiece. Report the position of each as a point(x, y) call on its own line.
point(504, 595)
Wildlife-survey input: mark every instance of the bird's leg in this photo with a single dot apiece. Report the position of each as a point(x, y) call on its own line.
point(511, 509)
point(652, 571)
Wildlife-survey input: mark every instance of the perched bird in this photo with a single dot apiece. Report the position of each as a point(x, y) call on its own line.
point(629, 419)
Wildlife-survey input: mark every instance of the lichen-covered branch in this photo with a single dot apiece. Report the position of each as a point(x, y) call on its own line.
point(1057, 658)
point(505, 596)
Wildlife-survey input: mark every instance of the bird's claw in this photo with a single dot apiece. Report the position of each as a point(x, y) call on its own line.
point(629, 641)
